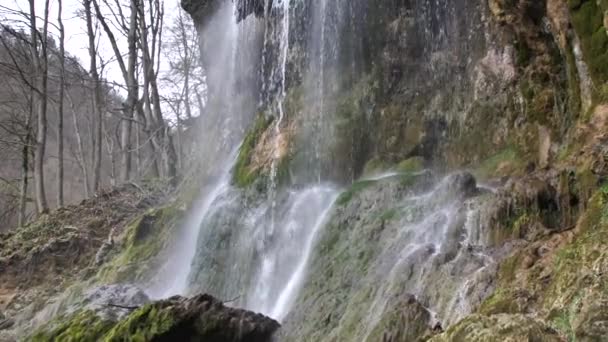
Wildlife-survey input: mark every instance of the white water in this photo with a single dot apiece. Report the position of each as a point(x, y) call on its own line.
point(179, 264)
point(289, 292)
point(286, 256)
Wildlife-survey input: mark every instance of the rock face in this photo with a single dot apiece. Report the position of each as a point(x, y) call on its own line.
point(514, 91)
point(379, 269)
point(200, 318)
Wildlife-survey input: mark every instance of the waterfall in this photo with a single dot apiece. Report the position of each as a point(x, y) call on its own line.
point(254, 246)
point(253, 249)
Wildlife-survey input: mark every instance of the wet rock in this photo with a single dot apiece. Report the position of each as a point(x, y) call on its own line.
point(409, 321)
point(462, 183)
point(111, 302)
point(6, 323)
point(203, 9)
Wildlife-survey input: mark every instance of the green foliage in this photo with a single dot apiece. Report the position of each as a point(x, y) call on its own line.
point(243, 175)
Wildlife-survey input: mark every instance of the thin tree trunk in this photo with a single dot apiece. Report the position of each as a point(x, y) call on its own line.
point(25, 163)
point(161, 137)
point(60, 110)
point(187, 65)
point(81, 156)
point(42, 75)
point(128, 72)
point(137, 153)
point(97, 107)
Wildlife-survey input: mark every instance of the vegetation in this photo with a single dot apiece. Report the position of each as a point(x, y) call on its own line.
point(244, 173)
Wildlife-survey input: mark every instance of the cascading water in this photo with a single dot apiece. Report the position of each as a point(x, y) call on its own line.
point(251, 248)
point(254, 246)
point(441, 240)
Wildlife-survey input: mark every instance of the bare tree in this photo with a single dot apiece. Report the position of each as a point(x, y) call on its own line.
point(60, 170)
point(40, 61)
point(97, 98)
point(80, 154)
point(150, 44)
point(128, 72)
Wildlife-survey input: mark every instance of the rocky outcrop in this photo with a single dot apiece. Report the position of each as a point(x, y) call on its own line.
point(508, 328)
point(388, 237)
point(201, 10)
point(63, 261)
point(200, 318)
point(513, 91)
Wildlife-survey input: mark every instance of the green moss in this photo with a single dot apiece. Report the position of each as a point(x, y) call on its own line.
point(142, 242)
point(506, 162)
point(375, 165)
point(414, 164)
point(389, 214)
point(501, 301)
point(359, 186)
point(83, 326)
point(144, 324)
point(243, 175)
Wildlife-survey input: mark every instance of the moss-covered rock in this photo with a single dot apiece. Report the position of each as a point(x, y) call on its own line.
point(244, 172)
point(139, 247)
point(201, 318)
point(82, 326)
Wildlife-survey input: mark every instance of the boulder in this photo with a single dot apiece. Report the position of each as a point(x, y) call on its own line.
point(200, 318)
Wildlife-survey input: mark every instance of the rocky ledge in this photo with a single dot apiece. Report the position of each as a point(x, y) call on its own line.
point(201, 318)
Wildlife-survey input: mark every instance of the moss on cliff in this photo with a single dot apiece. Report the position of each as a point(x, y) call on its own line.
point(561, 279)
point(503, 327)
point(140, 245)
point(243, 174)
point(588, 21)
point(507, 161)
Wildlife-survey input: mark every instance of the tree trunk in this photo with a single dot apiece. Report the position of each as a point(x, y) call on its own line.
point(128, 73)
point(161, 135)
point(41, 68)
point(25, 163)
point(81, 157)
point(60, 109)
point(98, 105)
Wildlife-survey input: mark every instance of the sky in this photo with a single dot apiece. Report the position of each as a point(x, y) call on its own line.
point(76, 42)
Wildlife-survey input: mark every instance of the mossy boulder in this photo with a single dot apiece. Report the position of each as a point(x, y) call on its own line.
point(201, 318)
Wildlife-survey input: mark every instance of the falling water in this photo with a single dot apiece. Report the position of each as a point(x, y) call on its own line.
point(179, 264)
point(305, 215)
point(252, 246)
